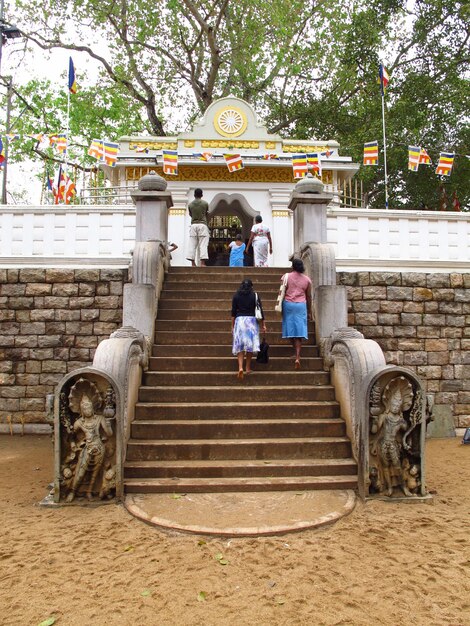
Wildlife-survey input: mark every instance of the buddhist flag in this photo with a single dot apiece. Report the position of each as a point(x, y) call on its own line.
point(59, 141)
point(446, 161)
point(413, 158)
point(299, 165)
point(269, 157)
point(455, 202)
point(383, 78)
point(314, 162)
point(371, 153)
point(203, 156)
point(57, 187)
point(96, 149)
point(234, 162)
point(2, 153)
point(424, 157)
point(72, 81)
point(69, 190)
point(170, 162)
point(110, 150)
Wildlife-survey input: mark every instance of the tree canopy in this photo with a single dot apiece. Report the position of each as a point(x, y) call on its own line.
point(309, 69)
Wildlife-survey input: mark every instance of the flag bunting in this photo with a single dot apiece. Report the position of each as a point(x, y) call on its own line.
point(314, 162)
point(371, 153)
point(170, 162)
point(234, 162)
point(413, 158)
point(446, 161)
point(299, 165)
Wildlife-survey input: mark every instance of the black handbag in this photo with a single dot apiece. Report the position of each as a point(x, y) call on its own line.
point(263, 356)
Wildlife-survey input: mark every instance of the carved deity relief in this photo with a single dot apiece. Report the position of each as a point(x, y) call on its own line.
point(87, 440)
point(395, 421)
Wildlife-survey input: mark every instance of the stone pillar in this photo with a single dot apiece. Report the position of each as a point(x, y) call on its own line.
point(330, 310)
point(308, 202)
point(152, 202)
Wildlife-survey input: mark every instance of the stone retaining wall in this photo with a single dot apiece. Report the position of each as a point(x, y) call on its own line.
point(421, 321)
point(51, 321)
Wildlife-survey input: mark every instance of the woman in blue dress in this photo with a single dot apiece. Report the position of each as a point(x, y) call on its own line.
point(237, 248)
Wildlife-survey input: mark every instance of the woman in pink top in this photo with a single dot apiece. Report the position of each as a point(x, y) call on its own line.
point(297, 307)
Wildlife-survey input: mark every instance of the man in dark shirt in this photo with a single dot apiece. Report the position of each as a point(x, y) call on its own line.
point(199, 231)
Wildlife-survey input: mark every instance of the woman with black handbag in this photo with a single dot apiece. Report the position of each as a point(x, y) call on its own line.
point(247, 311)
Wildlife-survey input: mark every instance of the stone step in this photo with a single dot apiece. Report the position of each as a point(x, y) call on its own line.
point(264, 393)
point(178, 337)
point(237, 410)
point(309, 350)
point(221, 314)
point(226, 449)
point(212, 326)
point(209, 291)
point(169, 303)
point(218, 485)
point(229, 364)
point(236, 429)
point(221, 272)
point(241, 469)
point(269, 285)
point(217, 379)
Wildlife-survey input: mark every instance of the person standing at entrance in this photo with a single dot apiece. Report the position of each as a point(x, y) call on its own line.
point(199, 230)
point(260, 237)
point(237, 248)
point(296, 307)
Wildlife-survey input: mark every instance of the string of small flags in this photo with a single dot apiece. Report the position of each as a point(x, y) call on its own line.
point(417, 155)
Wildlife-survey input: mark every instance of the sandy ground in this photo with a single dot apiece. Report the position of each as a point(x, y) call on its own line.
point(386, 563)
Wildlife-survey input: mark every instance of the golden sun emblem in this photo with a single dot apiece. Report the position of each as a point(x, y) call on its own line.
point(230, 122)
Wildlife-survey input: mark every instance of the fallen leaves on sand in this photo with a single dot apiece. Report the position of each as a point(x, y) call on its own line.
point(47, 622)
point(220, 559)
point(201, 542)
point(280, 600)
point(128, 548)
point(202, 596)
point(146, 593)
point(177, 496)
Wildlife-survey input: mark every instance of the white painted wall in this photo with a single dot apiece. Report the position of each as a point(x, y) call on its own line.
point(103, 236)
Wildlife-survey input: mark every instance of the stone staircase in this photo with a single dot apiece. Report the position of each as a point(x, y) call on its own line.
point(199, 429)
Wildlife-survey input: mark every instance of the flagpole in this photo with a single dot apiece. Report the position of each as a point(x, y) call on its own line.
point(67, 133)
point(385, 144)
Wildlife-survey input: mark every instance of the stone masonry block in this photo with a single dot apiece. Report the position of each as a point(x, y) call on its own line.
point(363, 278)
point(462, 295)
point(421, 293)
point(60, 276)
point(391, 307)
point(346, 278)
point(456, 280)
point(56, 302)
point(13, 391)
point(362, 319)
point(83, 303)
point(12, 290)
point(42, 315)
point(32, 276)
point(438, 358)
point(411, 319)
point(437, 280)
point(385, 278)
point(49, 341)
point(89, 315)
point(443, 295)
point(115, 288)
point(111, 315)
point(106, 328)
point(86, 289)
point(453, 308)
point(354, 293)
point(102, 289)
point(413, 307)
point(67, 315)
point(375, 293)
point(388, 318)
point(431, 307)
point(415, 358)
point(33, 328)
point(38, 289)
point(436, 345)
point(91, 276)
point(413, 279)
point(55, 328)
point(21, 303)
point(456, 320)
point(65, 289)
point(79, 328)
point(26, 341)
point(410, 344)
point(453, 333)
point(430, 371)
point(399, 293)
point(404, 331)
point(109, 274)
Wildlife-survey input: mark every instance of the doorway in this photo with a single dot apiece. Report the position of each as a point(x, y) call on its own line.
point(229, 216)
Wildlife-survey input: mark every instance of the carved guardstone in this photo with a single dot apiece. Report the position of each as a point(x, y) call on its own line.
point(396, 434)
point(87, 438)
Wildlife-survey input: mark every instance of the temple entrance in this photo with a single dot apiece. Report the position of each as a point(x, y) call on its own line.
point(229, 216)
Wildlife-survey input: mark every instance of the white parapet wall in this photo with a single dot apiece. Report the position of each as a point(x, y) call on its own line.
point(363, 239)
point(403, 241)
